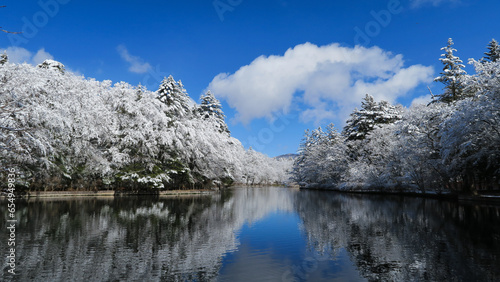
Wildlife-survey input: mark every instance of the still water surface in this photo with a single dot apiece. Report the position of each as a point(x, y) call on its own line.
point(256, 234)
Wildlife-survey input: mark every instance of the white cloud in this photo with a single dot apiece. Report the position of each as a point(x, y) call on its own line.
point(422, 100)
point(435, 3)
point(20, 55)
point(329, 80)
point(137, 65)
point(41, 56)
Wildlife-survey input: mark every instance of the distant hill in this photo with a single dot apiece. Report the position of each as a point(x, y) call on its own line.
point(287, 156)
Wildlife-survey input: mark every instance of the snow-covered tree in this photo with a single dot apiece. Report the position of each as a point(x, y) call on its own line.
point(451, 76)
point(174, 95)
point(211, 109)
point(371, 116)
point(52, 65)
point(4, 58)
point(417, 149)
point(493, 53)
point(140, 92)
point(332, 157)
point(302, 167)
point(65, 131)
point(470, 136)
point(322, 160)
point(441, 146)
point(10, 134)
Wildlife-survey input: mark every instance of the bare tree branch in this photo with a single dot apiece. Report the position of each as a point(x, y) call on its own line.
point(12, 32)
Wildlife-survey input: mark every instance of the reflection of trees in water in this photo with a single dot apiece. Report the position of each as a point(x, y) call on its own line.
point(405, 239)
point(136, 238)
point(185, 238)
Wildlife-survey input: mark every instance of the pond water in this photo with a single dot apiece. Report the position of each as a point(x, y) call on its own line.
point(255, 234)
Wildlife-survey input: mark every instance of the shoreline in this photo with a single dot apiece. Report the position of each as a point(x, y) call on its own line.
point(121, 193)
point(483, 199)
point(480, 198)
point(110, 193)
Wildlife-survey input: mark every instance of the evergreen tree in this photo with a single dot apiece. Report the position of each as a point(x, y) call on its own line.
point(371, 115)
point(174, 95)
point(322, 159)
point(303, 171)
point(451, 76)
point(211, 108)
point(4, 58)
point(493, 53)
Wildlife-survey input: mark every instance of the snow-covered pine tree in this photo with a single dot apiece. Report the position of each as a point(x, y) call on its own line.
point(470, 136)
point(493, 53)
point(52, 65)
point(322, 159)
point(174, 95)
point(389, 113)
point(332, 157)
point(361, 122)
point(4, 58)
point(303, 171)
point(211, 108)
point(451, 76)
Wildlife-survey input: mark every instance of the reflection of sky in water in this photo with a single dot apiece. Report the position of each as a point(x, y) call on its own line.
point(275, 249)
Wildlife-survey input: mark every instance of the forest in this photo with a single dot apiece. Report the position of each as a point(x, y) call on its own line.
point(60, 131)
point(451, 145)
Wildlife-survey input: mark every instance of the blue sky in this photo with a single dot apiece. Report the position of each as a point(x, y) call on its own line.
point(279, 67)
